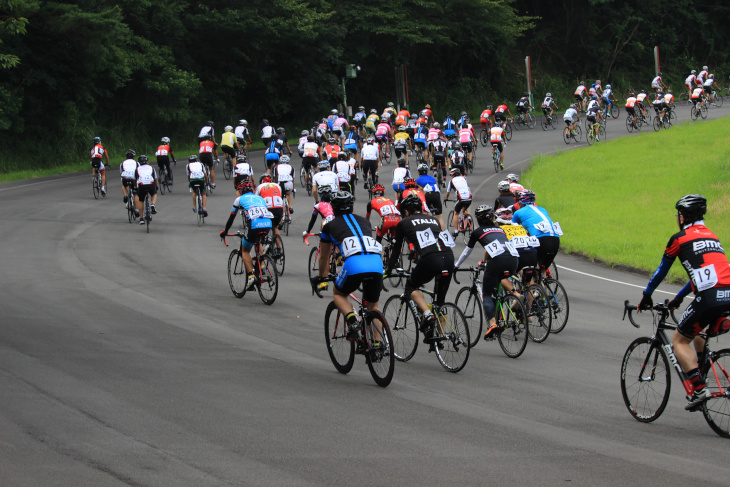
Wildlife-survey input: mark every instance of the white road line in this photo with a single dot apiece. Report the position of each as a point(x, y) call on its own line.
point(610, 280)
point(46, 181)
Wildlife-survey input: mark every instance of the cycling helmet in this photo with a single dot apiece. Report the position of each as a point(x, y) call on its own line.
point(598, 81)
point(457, 145)
point(484, 214)
point(324, 192)
point(322, 165)
point(703, 67)
point(632, 94)
point(391, 104)
point(526, 197)
point(489, 107)
point(142, 159)
point(660, 73)
point(467, 120)
point(131, 153)
point(342, 156)
point(371, 140)
point(228, 128)
point(378, 190)
point(402, 128)
point(361, 108)
point(504, 213)
point(512, 177)
point(280, 130)
point(411, 204)
point(210, 122)
point(265, 178)
point(305, 132)
point(422, 168)
point(643, 91)
point(428, 106)
point(342, 202)
point(246, 187)
point(310, 138)
point(331, 140)
point(266, 122)
point(692, 207)
point(463, 114)
point(503, 186)
point(523, 94)
point(410, 183)
point(572, 105)
point(455, 172)
point(166, 140)
point(372, 110)
point(284, 159)
point(669, 92)
point(694, 71)
point(436, 125)
point(243, 121)
point(333, 111)
point(608, 87)
point(710, 76)
point(548, 94)
point(594, 97)
point(241, 158)
point(402, 162)
point(97, 140)
point(413, 115)
point(193, 158)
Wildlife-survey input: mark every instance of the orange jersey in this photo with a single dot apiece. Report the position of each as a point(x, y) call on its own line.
point(332, 151)
point(421, 196)
point(271, 193)
point(207, 146)
point(402, 117)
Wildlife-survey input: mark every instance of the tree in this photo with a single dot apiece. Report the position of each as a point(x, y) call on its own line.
point(10, 25)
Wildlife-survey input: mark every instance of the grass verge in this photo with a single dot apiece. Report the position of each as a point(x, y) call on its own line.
point(615, 201)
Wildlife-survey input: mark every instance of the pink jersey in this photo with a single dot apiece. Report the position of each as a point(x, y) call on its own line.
point(383, 129)
point(433, 134)
point(464, 136)
point(323, 208)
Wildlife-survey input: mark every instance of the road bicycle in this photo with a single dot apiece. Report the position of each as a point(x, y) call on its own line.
point(549, 121)
point(313, 262)
point(208, 184)
point(385, 152)
point(449, 337)
point(696, 112)
point(484, 137)
point(266, 280)
point(228, 167)
point(466, 223)
point(646, 377)
point(165, 180)
point(610, 107)
point(96, 184)
point(286, 218)
point(496, 158)
point(304, 181)
point(369, 183)
point(200, 214)
point(574, 135)
point(665, 121)
point(131, 215)
point(370, 337)
point(538, 303)
point(596, 133)
point(525, 120)
point(717, 99)
point(273, 246)
point(147, 212)
point(507, 126)
point(387, 243)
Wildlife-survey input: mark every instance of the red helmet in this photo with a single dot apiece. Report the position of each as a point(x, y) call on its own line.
point(246, 187)
point(379, 190)
point(265, 178)
point(410, 183)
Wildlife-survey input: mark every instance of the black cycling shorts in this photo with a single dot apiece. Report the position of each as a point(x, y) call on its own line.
point(527, 259)
point(461, 205)
point(229, 150)
point(433, 201)
point(309, 163)
point(438, 265)
point(278, 215)
point(145, 189)
point(372, 284)
point(547, 250)
point(706, 307)
point(207, 159)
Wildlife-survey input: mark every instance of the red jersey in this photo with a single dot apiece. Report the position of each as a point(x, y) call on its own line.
point(702, 256)
point(207, 146)
point(332, 151)
point(271, 193)
point(421, 196)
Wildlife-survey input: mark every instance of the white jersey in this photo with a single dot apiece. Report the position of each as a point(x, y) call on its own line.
point(400, 174)
point(547, 101)
point(606, 93)
point(243, 169)
point(709, 83)
point(146, 174)
point(267, 132)
point(690, 79)
point(570, 114)
point(325, 178)
point(284, 173)
point(352, 162)
point(461, 187)
point(593, 103)
point(195, 170)
point(370, 152)
point(241, 132)
point(701, 77)
point(311, 149)
point(302, 141)
point(655, 83)
point(127, 168)
point(343, 171)
point(205, 131)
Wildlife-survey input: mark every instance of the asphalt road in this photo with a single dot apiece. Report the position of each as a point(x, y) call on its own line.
point(126, 360)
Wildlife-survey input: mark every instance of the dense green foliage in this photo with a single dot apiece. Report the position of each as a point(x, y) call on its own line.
point(134, 70)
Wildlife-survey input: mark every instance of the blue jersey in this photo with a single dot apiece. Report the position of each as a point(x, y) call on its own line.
point(330, 120)
point(536, 221)
point(351, 140)
point(449, 125)
point(273, 151)
point(359, 116)
point(428, 183)
point(254, 207)
point(352, 234)
point(420, 135)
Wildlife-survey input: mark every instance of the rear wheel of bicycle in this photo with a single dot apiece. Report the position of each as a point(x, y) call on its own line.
point(508, 132)
point(95, 188)
point(302, 177)
point(538, 312)
point(590, 138)
point(450, 221)
point(453, 343)
point(403, 326)
point(693, 113)
point(578, 133)
point(559, 305)
point(531, 121)
point(614, 111)
point(703, 111)
point(147, 212)
point(645, 380)
point(227, 169)
point(718, 99)
point(268, 279)
point(200, 209)
point(717, 409)
point(684, 99)
point(566, 135)
point(163, 187)
point(313, 267)
point(236, 273)
point(657, 124)
point(484, 137)
point(379, 354)
point(512, 320)
point(470, 304)
point(495, 161)
point(285, 219)
point(468, 228)
point(276, 252)
point(601, 134)
point(130, 207)
point(552, 271)
point(518, 123)
point(339, 347)
point(629, 124)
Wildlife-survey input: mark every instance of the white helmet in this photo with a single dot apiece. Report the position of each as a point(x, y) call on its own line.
point(305, 132)
point(243, 121)
point(704, 67)
point(608, 87)
point(228, 128)
point(334, 111)
point(166, 140)
point(284, 159)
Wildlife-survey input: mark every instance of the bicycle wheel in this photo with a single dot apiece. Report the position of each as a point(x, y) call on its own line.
point(559, 305)
point(693, 113)
point(552, 271)
point(394, 280)
point(578, 133)
point(267, 278)
point(645, 380)
point(95, 188)
point(512, 321)
point(508, 132)
point(236, 273)
point(672, 118)
point(484, 137)
point(313, 268)
point(657, 124)
point(404, 327)
point(703, 111)
point(302, 177)
point(452, 343)
point(531, 121)
point(162, 183)
point(227, 169)
point(518, 123)
point(590, 137)
point(614, 111)
point(468, 228)
point(147, 212)
point(388, 154)
point(470, 304)
point(286, 218)
point(538, 313)
point(276, 252)
point(200, 207)
point(495, 160)
point(130, 206)
point(379, 354)
point(718, 99)
point(601, 134)
point(450, 221)
point(339, 347)
point(684, 99)
point(629, 124)
point(566, 135)
point(545, 123)
point(717, 409)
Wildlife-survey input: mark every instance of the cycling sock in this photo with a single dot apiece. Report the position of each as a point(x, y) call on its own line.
point(351, 318)
point(696, 380)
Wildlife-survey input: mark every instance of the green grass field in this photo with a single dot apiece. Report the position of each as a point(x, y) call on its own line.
point(615, 201)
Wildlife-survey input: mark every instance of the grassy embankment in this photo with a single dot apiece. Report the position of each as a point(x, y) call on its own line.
point(615, 201)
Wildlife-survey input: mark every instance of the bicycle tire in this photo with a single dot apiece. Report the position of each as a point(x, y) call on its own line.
point(147, 212)
point(718, 99)
point(538, 312)
point(340, 349)
point(450, 221)
point(684, 99)
point(484, 137)
point(313, 262)
point(388, 154)
point(645, 396)
point(267, 278)
point(590, 138)
point(302, 177)
point(379, 357)
point(468, 228)
point(512, 320)
point(508, 132)
point(277, 254)
point(518, 124)
point(578, 133)
point(162, 183)
point(236, 273)
point(545, 123)
point(470, 304)
point(130, 206)
point(552, 271)
point(199, 200)
point(531, 120)
point(703, 111)
point(403, 326)
point(95, 189)
point(559, 304)
point(495, 160)
point(614, 111)
point(657, 124)
point(453, 345)
point(693, 114)
point(629, 124)
point(716, 410)
point(566, 135)
point(285, 219)
point(601, 134)
point(227, 169)
point(396, 279)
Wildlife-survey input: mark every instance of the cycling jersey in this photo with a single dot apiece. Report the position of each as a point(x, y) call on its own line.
point(389, 214)
point(433, 134)
point(656, 82)
point(401, 140)
point(547, 101)
point(708, 84)
point(421, 196)
point(300, 144)
point(332, 151)
point(310, 149)
point(273, 151)
point(428, 183)
point(382, 130)
point(606, 93)
point(630, 102)
point(206, 131)
point(640, 98)
point(400, 174)
point(145, 175)
point(267, 132)
point(465, 136)
point(515, 187)
point(284, 173)
point(504, 201)
point(339, 124)
point(128, 168)
point(439, 148)
point(326, 178)
point(370, 152)
point(570, 114)
point(97, 151)
point(690, 80)
point(697, 93)
point(536, 221)
point(229, 139)
point(424, 232)
point(206, 147)
point(241, 132)
point(163, 151)
point(668, 98)
point(344, 171)
point(359, 116)
point(461, 188)
point(271, 193)
point(579, 90)
point(701, 76)
point(420, 135)
point(351, 140)
point(243, 169)
point(496, 134)
point(331, 120)
point(195, 171)
point(402, 117)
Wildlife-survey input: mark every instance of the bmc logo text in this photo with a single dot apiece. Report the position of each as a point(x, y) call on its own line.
point(706, 244)
point(723, 295)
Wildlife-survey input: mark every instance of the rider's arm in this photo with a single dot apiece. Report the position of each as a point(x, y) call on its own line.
point(396, 245)
point(231, 219)
point(311, 221)
point(369, 209)
point(659, 274)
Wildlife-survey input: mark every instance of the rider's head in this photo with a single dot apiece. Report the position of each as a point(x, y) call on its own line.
point(165, 140)
point(310, 138)
point(410, 183)
point(503, 186)
point(265, 178)
point(324, 192)
point(455, 172)
point(342, 202)
point(142, 159)
point(378, 190)
point(422, 168)
point(241, 158)
point(527, 197)
point(401, 162)
point(513, 178)
point(284, 159)
point(97, 140)
point(691, 207)
point(228, 128)
point(130, 154)
point(485, 215)
point(246, 187)
point(193, 158)
point(323, 165)
point(504, 214)
point(411, 204)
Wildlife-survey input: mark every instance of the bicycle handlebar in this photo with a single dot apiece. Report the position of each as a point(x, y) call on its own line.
point(472, 269)
point(237, 234)
point(305, 237)
point(661, 308)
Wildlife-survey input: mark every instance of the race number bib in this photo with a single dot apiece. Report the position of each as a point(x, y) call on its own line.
point(705, 277)
point(274, 201)
point(354, 245)
point(285, 177)
point(426, 238)
point(520, 242)
point(389, 210)
point(161, 152)
point(328, 219)
point(511, 249)
point(533, 241)
point(556, 228)
point(446, 238)
point(494, 249)
point(258, 212)
point(543, 227)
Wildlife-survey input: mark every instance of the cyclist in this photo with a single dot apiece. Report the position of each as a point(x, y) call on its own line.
point(500, 257)
point(420, 136)
point(197, 178)
point(372, 119)
point(207, 151)
point(547, 105)
point(400, 144)
point(658, 84)
point(323, 208)
point(500, 111)
point(283, 140)
point(505, 199)
point(97, 153)
point(386, 208)
point(352, 143)
point(702, 76)
point(258, 224)
point(412, 188)
point(690, 81)
point(607, 98)
point(345, 172)
point(272, 154)
point(272, 195)
point(411, 127)
point(331, 151)
point(433, 134)
point(432, 192)
point(630, 106)
point(207, 131)
point(229, 143)
point(467, 139)
point(321, 132)
point(267, 133)
point(571, 117)
point(324, 177)
point(496, 138)
point(594, 114)
point(127, 170)
point(463, 196)
point(400, 174)
point(164, 153)
point(242, 133)
point(700, 252)
point(514, 183)
point(301, 142)
point(485, 118)
point(707, 86)
point(310, 156)
point(457, 157)
point(463, 117)
point(580, 94)
point(284, 174)
point(340, 126)
point(641, 102)
point(436, 259)
point(599, 88)
point(383, 135)
point(669, 100)
point(241, 171)
point(370, 160)
point(660, 106)
point(146, 177)
point(388, 115)
point(537, 222)
point(402, 117)
point(439, 156)
point(358, 121)
point(331, 119)
point(698, 96)
point(363, 264)
point(523, 105)
point(426, 113)
point(449, 126)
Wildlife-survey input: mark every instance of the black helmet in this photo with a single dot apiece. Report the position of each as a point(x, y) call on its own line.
point(193, 158)
point(325, 192)
point(280, 130)
point(342, 202)
point(525, 94)
point(266, 122)
point(692, 207)
point(241, 158)
point(484, 214)
point(210, 122)
point(97, 140)
point(660, 73)
point(142, 159)
point(411, 204)
point(131, 153)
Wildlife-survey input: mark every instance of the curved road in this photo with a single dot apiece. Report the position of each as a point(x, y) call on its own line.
point(126, 360)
